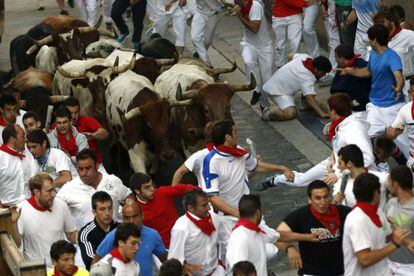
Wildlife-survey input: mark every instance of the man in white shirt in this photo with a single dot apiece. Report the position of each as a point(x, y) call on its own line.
point(194, 237)
point(366, 229)
point(300, 74)
point(78, 192)
point(8, 112)
point(31, 121)
point(53, 161)
point(17, 165)
point(43, 219)
point(256, 46)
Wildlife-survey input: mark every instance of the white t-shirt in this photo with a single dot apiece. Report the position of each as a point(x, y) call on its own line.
point(226, 175)
point(262, 38)
point(364, 10)
point(14, 176)
point(194, 162)
point(291, 78)
point(57, 161)
point(361, 233)
point(208, 7)
point(190, 244)
point(249, 245)
point(403, 45)
point(405, 119)
point(122, 269)
point(39, 230)
point(78, 196)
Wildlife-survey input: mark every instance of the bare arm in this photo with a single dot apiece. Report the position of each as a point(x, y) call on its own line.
point(356, 72)
point(399, 78)
point(269, 167)
point(352, 17)
point(393, 133)
point(100, 134)
point(219, 204)
point(179, 173)
point(72, 237)
point(64, 176)
point(96, 259)
point(252, 25)
point(316, 106)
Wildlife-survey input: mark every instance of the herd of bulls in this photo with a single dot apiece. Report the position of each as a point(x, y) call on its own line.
point(156, 104)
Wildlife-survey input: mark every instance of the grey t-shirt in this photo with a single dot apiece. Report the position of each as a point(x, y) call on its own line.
point(402, 215)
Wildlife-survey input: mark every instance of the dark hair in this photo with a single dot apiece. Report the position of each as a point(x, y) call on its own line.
point(190, 197)
point(365, 186)
point(31, 114)
point(219, 131)
point(37, 136)
point(403, 176)
point(344, 51)
point(137, 180)
point(385, 144)
point(412, 81)
point(71, 101)
point(7, 99)
point(388, 14)
point(61, 247)
point(314, 185)
point(322, 64)
point(352, 153)
point(341, 103)
point(9, 132)
point(126, 230)
point(86, 154)
point(9, 91)
point(244, 268)
point(62, 112)
point(399, 11)
point(100, 196)
point(248, 205)
point(380, 33)
point(171, 267)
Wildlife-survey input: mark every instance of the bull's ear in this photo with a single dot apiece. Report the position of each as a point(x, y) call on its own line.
point(80, 81)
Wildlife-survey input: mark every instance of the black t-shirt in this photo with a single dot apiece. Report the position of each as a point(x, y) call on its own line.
point(324, 258)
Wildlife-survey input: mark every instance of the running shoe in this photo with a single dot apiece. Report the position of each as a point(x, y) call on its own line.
point(122, 37)
point(268, 183)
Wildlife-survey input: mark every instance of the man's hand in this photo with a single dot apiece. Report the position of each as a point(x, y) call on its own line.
point(313, 237)
point(338, 198)
point(290, 176)
point(344, 71)
point(329, 166)
point(330, 178)
point(295, 260)
point(399, 235)
point(15, 213)
point(236, 10)
point(397, 91)
point(192, 268)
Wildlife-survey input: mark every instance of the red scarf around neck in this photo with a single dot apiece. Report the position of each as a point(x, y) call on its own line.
point(330, 220)
point(68, 145)
point(412, 110)
point(371, 211)
point(34, 204)
point(11, 152)
point(308, 65)
point(56, 273)
point(396, 31)
point(332, 127)
point(2, 121)
point(350, 62)
point(249, 225)
point(205, 224)
point(236, 152)
point(117, 255)
point(246, 9)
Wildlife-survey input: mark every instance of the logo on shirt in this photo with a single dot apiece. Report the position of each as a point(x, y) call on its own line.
point(109, 186)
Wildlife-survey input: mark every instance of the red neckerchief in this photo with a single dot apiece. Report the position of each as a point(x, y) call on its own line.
point(204, 224)
point(371, 211)
point(56, 273)
point(33, 202)
point(11, 152)
point(308, 65)
point(332, 127)
point(330, 220)
point(2, 121)
point(412, 110)
point(395, 32)
point(350, 62)
point(249, 225)
point(69, 145)
point(236, 152)
point(117, 255)
point(246, 9)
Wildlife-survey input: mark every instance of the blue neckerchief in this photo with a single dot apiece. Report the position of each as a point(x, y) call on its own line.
point(43, 159)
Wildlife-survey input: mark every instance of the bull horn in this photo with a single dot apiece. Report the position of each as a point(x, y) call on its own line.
point(23, 103)
point(181, 103)
point(218, 71)
point(116, 62)
point(188, 95)
point(98, 23)
point(121, 69)
point(57, 98)
point(39, 43)
point(77, 74)
point(126, 50)
point(244, 87)
point(107, 33)
point(91, 28)
point(166, 61)
point(129, 115)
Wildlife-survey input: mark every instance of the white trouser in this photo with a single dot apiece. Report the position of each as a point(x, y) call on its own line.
point(88, 10)
point(381, 118)
point(333, 34)
point(107, 8)
point(361, 45)
point(309, 35)
point(202, 32)
point(179, 24)
point(151, 9)
point(398, 269)
point(317, 172)
point(290, 27)
point(227, 224)
point(259, 62)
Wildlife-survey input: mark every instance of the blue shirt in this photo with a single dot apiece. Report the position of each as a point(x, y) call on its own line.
point(151, 243)
point(382, 69)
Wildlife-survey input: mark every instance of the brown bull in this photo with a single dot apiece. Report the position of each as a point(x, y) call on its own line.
point(63, 23)
point(32, 77)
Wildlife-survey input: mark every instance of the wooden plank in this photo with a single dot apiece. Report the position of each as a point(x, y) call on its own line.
point(11, 254)
point(1, 18)
point(33, 268)
point(6, 224)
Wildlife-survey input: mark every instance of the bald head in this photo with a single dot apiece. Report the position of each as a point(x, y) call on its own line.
point(131, 212)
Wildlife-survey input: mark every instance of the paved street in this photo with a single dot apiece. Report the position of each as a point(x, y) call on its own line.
point(296, 143)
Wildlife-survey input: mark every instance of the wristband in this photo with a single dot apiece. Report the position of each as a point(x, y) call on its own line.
point(287, 248)
point(396, 244)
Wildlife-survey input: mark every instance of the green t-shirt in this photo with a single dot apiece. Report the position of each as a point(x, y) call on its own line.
point(343, 3)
